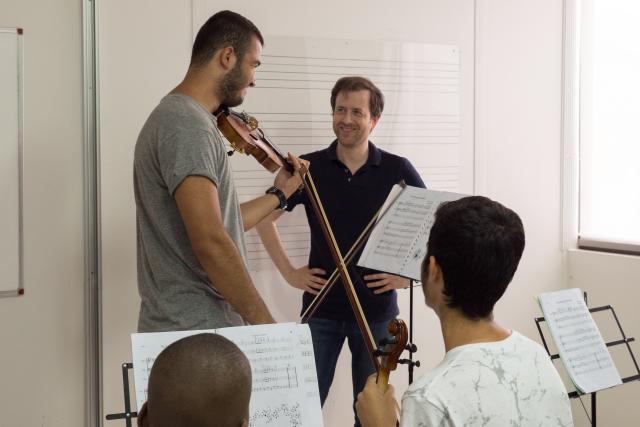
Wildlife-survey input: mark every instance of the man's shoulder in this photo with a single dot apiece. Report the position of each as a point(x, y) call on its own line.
point(175, 113)
point(397, 168)
point(389, 155)
point(322, 154)
point(462, 364)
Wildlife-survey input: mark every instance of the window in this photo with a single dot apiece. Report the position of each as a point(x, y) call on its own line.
point(609, 125)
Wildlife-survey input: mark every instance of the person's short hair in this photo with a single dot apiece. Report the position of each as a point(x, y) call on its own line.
point(202, 380)
point(357, 83)
point(477, 243)
point(223, 29)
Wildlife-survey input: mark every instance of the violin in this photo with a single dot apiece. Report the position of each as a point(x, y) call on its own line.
point(245, 136)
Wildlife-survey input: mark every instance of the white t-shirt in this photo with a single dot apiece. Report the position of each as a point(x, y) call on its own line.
point(505, 383)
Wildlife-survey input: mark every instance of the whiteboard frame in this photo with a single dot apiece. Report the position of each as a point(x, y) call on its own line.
point(20, 289)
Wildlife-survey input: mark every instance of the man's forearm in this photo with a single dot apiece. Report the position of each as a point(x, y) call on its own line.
point(270, 237)
point(257, 209)
point(222, 262)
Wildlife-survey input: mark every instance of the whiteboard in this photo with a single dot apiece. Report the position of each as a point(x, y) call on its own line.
point(11, 162)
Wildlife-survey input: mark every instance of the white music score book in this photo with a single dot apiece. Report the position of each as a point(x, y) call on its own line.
point(577, 337)
point(285, 385)
point(398, 242)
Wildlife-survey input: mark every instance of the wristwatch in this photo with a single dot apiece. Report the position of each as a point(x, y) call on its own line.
point(280, 195)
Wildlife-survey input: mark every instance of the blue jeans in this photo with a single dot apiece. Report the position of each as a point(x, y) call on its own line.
point(328, 337)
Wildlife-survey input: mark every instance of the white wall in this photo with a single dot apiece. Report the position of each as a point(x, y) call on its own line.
point(42, 340)
point(612, 280)
point(518, 138)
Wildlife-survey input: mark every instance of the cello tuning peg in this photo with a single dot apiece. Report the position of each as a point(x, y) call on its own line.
point(385, 340)
point(411, 347)
point(409, 362)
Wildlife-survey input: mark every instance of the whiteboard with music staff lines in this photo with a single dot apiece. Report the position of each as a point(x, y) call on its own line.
point(291, 100)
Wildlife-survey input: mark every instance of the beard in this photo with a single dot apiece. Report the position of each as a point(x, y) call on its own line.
point(231, 87)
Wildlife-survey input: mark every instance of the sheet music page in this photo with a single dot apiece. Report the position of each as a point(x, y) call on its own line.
point(398, 242)
point(391, 197)
point(580, 345)
point(285, 386)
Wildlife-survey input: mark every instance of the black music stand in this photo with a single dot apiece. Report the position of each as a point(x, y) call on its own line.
point(624, 340)
point(127, 415)
point(411, 347)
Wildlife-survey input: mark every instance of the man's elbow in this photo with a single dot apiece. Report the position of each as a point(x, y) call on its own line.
point(212, 247)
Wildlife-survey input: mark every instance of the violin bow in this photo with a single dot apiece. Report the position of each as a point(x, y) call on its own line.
point(338, 259)
point(363, 325)
point(360, 241)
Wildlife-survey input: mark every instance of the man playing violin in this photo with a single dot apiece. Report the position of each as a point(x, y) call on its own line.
point(353, 178)
point(190, 227)
point(490, 376)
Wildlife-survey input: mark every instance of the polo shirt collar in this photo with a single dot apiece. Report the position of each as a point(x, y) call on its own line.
point(374, 153)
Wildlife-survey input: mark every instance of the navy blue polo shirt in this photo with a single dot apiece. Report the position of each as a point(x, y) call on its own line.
point(350, 201)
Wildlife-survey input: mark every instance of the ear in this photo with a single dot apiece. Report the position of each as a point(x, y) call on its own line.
point(374, 122)
point(142, 416)
point(227, 58)
point(435, 272)
point(245, 422)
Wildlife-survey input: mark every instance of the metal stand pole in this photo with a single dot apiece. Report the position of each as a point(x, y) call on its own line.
point(593, 409)
point(410, 330)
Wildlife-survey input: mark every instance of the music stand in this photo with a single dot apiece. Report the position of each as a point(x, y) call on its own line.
point(127, 414)
point(624, 340)
point(411, 347)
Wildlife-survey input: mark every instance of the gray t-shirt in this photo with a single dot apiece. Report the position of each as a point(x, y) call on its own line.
point(178, 140)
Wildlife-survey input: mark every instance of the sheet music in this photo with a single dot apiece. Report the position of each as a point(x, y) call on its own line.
point(398, 242)
point(285, 386)
point(580, 345)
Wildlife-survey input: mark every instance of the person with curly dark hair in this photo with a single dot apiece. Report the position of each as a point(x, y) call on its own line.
point(490, 375)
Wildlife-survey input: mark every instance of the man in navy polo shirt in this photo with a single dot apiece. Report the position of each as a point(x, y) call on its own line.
point(353, 178)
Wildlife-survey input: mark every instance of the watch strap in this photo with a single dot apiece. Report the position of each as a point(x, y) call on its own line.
point(280, 195)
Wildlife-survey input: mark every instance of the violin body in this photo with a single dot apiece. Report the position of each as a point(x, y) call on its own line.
point(244, 135)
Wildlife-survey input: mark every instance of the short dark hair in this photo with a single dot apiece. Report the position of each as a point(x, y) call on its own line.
point(356, 83)
point(223, 29)
point(198, 376)
point(477, 243)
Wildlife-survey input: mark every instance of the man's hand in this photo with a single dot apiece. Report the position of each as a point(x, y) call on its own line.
point(386, 282)
point(306, 278)
point(287, 182)
point(376, 408)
